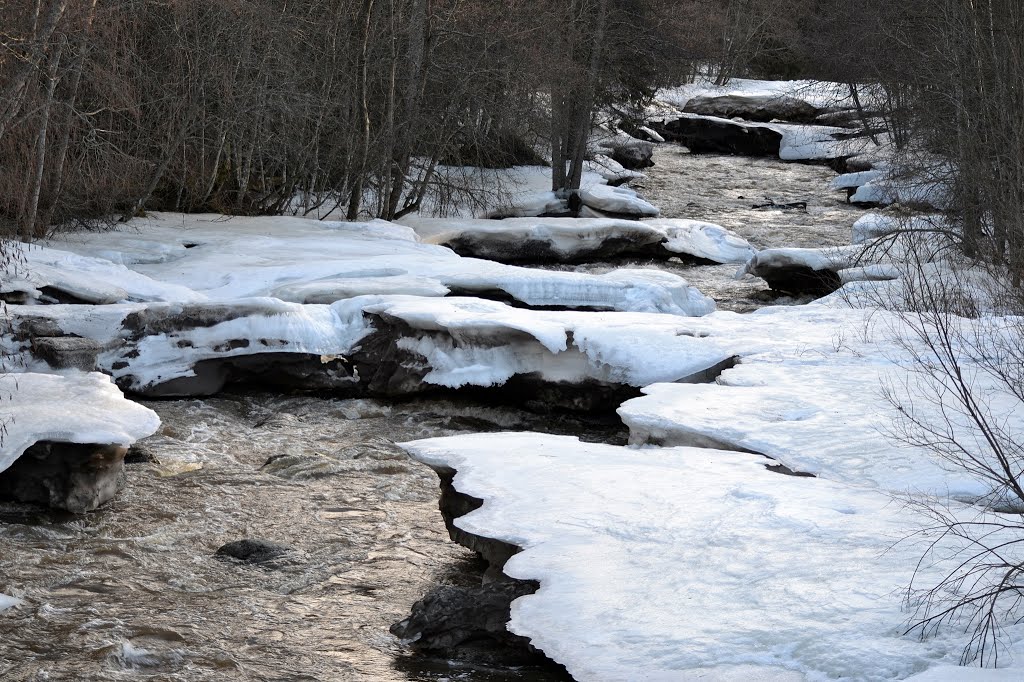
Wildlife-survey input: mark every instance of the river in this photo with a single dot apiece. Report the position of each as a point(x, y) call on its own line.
point(133, 591)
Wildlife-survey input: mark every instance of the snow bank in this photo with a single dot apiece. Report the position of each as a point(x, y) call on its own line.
point(685, 563)
point(78, 408)
point(831, 420)
point(209, 257)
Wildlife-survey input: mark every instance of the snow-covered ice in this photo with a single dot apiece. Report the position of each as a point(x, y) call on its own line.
point(688, 563)
point(218, 259)
point(78, 408)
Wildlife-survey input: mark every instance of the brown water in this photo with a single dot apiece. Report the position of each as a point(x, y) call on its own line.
point(133, 592)
point(723, 190)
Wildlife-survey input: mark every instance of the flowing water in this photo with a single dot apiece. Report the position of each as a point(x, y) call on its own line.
point(133, 591)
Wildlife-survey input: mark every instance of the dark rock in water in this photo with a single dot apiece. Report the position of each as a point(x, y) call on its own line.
point(718, 136)
point(632, 154)
point(641, 242)
point(139, 453)
point(468, 623)
point(762, 108)
point(71, 476)
point(800, 279)
point(67, 352)
point(251, 551)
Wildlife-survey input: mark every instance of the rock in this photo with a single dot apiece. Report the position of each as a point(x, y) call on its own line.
point(72, 476)
point(140, 453)
point(797, 278)
point(253, 551)
point(633, 155)
point(468, 623)
point(704, 135)
point(762, 108)
point(454, 504)
point(791, 206)
point(67, 352)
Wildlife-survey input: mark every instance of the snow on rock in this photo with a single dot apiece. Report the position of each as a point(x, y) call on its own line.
point(926, 186)
point(210, 257)
point(629, 151)
point(787, 141)
point(78, 408)
point(705, 241)
point(486, 343)
point(390, 345)
point(854, 180)
point(687, 563)
point(611, 170)
point(802, 270)
point(617, 201)
point(714, 135)
point(754, 107)
point(541, 239)
point(65, 439)
point(821, 95)
point(819, 143)
point(582, 239)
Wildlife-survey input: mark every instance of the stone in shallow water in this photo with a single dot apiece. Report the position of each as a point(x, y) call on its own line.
point(254, 551)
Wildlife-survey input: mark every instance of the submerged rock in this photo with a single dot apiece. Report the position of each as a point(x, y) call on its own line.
point(253, 551)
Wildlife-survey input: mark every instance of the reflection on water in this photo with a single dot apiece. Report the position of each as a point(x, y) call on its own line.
point(132, 591)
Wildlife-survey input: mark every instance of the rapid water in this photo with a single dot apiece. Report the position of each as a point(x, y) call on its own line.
point(133, 591)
